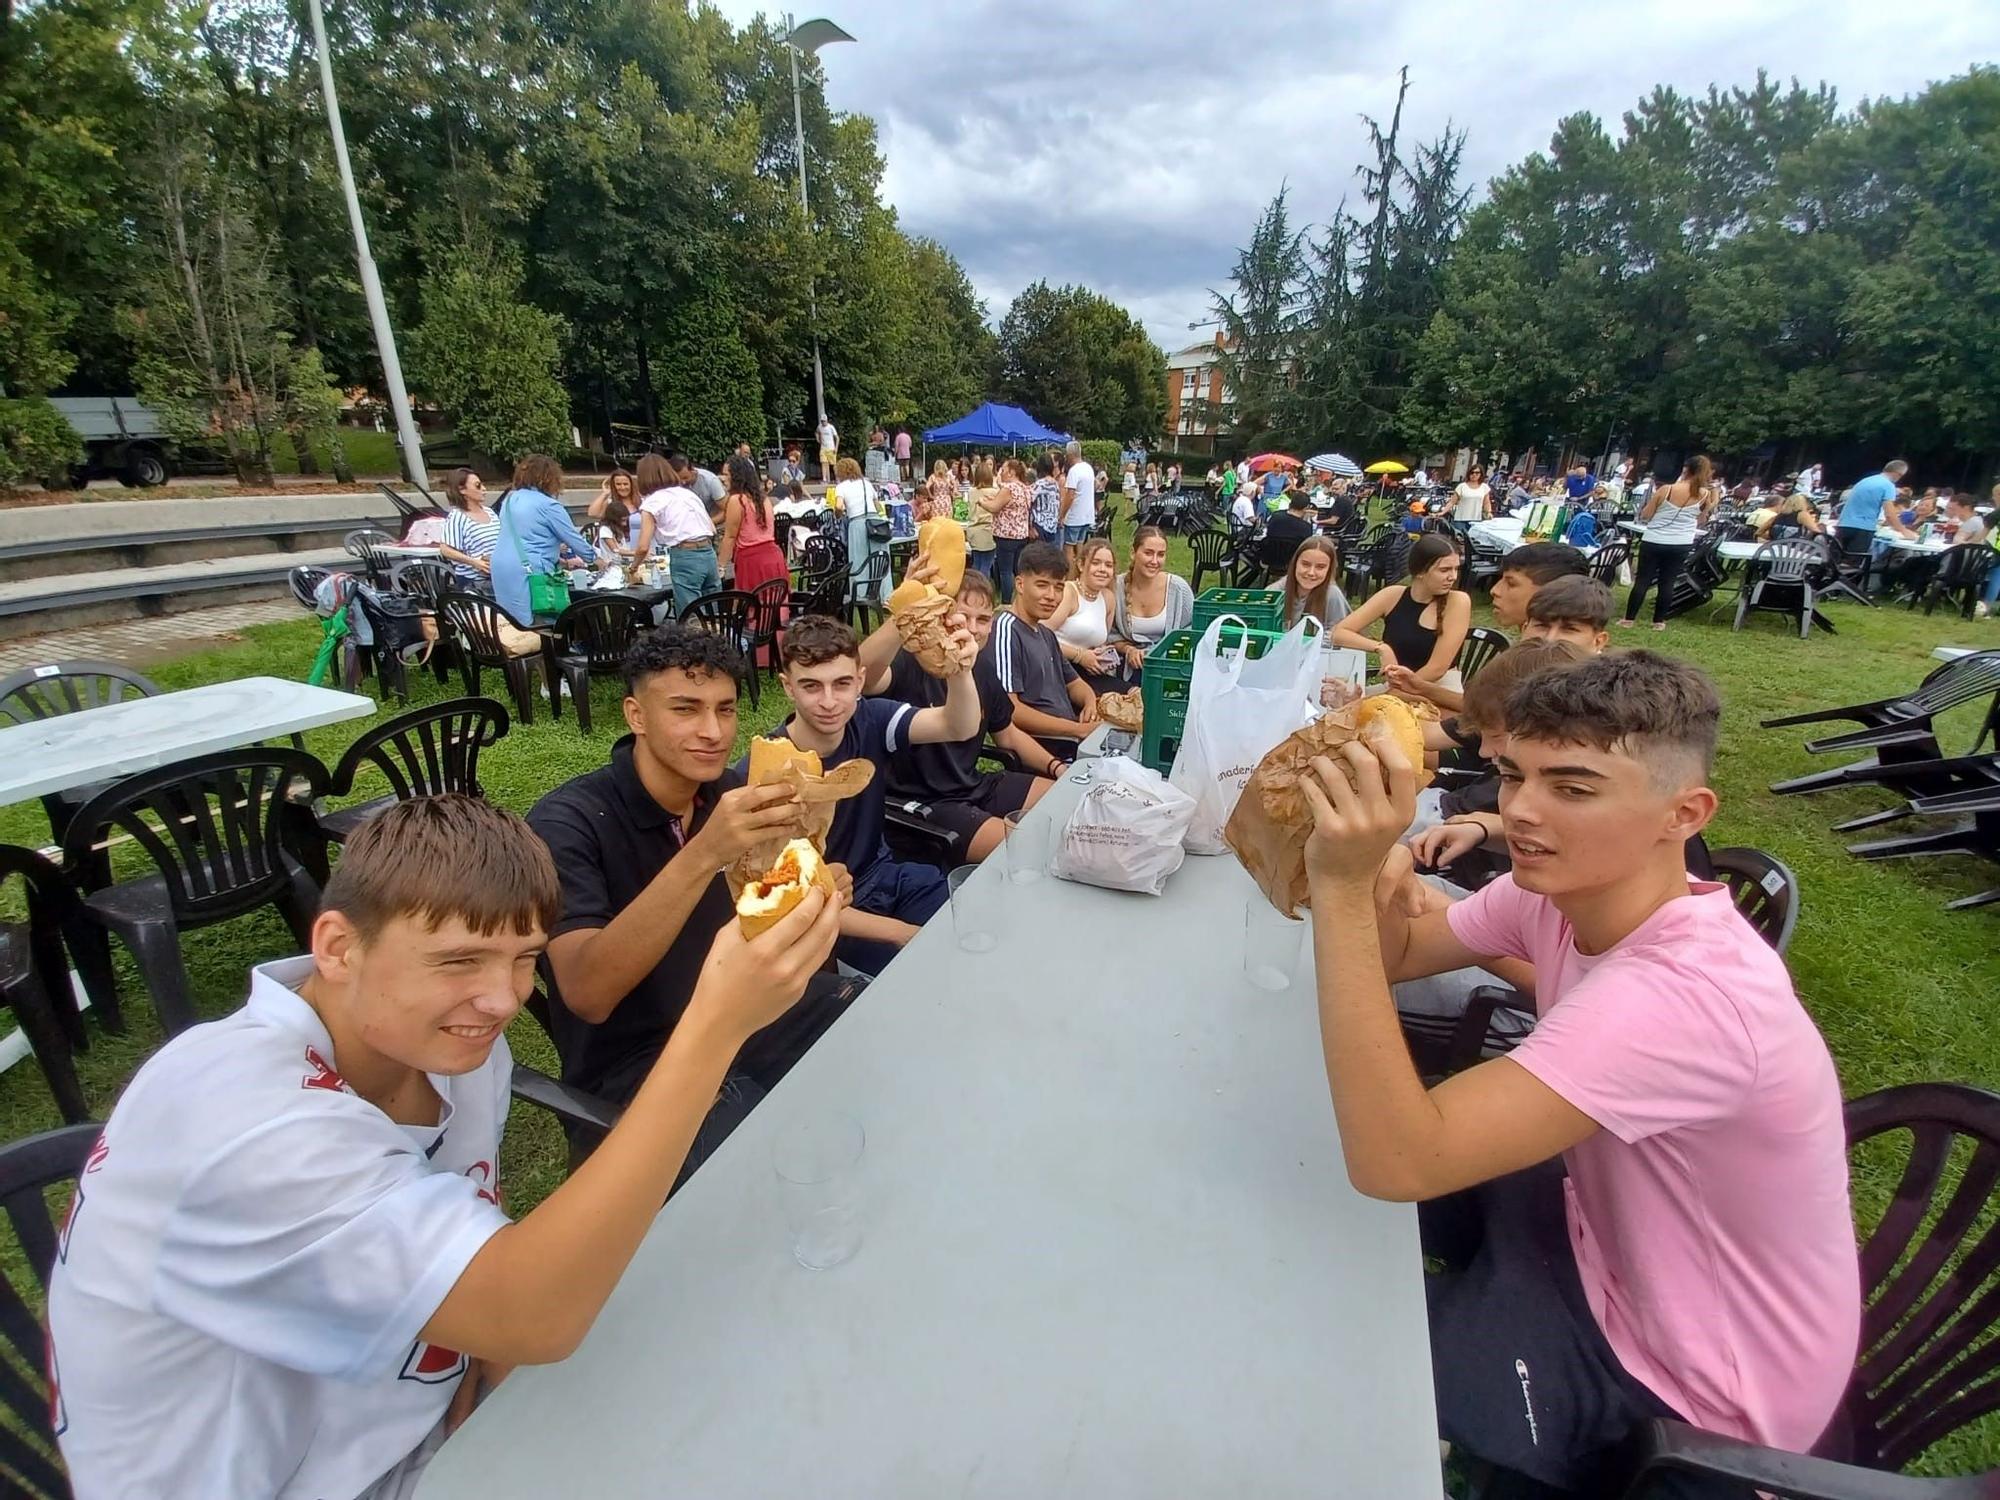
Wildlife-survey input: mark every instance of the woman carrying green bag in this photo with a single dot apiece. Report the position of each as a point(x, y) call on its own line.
point(534, 528)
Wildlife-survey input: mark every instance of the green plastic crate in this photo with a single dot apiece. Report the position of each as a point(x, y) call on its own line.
point(1163, 688)
point(1258, 608)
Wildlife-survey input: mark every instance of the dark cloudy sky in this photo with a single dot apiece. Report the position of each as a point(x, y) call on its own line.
point(1129, 146)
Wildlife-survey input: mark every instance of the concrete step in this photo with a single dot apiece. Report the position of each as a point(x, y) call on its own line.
point(30, 606)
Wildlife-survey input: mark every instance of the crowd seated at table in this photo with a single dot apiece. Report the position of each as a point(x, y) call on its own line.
point(285, 1273)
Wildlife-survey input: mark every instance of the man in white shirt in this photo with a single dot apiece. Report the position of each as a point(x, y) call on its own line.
point(1243, 510)
point(1079, 502)
point(286, 1272)
point(829, 449)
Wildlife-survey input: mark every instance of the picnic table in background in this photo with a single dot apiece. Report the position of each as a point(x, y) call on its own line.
point(1108, 1247)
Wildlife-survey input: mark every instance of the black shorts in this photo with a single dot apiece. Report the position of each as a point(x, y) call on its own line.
point(997, 794)
point(1525, 1378)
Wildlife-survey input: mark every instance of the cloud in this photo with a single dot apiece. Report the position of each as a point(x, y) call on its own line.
point(1130, 146)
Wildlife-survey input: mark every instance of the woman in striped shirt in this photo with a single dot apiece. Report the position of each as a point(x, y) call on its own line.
point(470, 532)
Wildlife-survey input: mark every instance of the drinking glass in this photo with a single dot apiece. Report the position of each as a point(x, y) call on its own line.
point(816, 1160)
point(969, 923)
point(1272, 942)
point(1027, 846)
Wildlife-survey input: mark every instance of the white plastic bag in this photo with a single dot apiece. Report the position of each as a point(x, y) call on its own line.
point(1126, 829)
point(1238, 711)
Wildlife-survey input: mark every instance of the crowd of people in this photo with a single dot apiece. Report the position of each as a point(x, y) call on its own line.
point(1641, 1211)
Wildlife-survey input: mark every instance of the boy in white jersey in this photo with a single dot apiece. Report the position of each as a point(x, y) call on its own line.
point(286, 1272)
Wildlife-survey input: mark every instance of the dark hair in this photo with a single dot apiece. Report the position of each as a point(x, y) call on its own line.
point(655, 473)
point(1429, 550)
point(454, 487)
point(1637, 703)
point(1042, 560)
point(677, 460)
point(1571, 600)
point(436, 858)
point(537, 471)
point(1298, 605)
point(743, 481)
point(1544, 562)
point(1302, 500)
point(815, 639)
point(1045, 466)
point(674, 647)
point(1487, 694)
point(795, 490)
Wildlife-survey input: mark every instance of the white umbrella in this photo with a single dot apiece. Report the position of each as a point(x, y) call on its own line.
point(1337, 464)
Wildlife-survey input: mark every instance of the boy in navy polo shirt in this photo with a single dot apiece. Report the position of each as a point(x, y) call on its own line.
point(823, 678)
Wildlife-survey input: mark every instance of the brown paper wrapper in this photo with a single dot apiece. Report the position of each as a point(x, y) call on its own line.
point(1126, 711)
point(1272, 820)
point(817, 797)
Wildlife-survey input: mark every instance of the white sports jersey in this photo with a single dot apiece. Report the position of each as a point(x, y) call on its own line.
point(251, 1253)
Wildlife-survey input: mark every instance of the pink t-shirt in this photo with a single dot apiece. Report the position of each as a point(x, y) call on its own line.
point(1709, 1216)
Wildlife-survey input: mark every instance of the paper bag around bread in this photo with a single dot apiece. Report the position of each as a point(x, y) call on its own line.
point(779, 762)
point(1272, 820)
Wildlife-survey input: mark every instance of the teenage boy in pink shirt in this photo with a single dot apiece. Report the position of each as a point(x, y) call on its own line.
point(1643, 1208)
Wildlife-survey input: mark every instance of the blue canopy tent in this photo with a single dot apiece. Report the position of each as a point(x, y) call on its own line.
point(994, 424)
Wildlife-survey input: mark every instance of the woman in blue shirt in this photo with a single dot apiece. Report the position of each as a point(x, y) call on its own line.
point(534, 528)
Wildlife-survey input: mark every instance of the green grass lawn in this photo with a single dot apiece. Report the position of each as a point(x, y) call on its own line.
point(1893, 980)
point(370, 454)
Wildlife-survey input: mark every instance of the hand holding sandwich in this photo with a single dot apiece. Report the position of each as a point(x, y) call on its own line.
point(745, 818)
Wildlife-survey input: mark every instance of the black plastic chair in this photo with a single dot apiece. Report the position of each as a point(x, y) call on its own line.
point(34, 974)
point(1927, 1364)
point(1212, 553)
point(366, 545)
point(1495, 1021)
point(1779, 578)
point(29, 1167)
point(590, 639)
point(1764, 889)
point(475, 624)
point(215, 827)
point(1978, 837)
point(1480, 647)
point(52, 689)
point(1609, 558)
point(304, 582)
point(1901, 731)
point(864, 587)
point(733, 615)
point(420, 754)
point(1960, 577)
point(773, 596)
point(428, 579)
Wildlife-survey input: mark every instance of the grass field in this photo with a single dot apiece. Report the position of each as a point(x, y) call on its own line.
point(370, 454)
point(1895, 982)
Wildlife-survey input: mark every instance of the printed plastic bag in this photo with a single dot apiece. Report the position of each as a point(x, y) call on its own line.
point(1126, 829)
point(1237, 711)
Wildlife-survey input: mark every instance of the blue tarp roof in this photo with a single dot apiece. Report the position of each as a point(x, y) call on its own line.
point(994, 423)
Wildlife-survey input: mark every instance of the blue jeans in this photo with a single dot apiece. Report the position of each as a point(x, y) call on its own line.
point(1991, 592)
point(982, 561)
point(1006, 556)
point(694, 573)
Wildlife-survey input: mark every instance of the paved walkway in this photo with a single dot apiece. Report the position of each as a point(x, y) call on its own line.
point(140, 643)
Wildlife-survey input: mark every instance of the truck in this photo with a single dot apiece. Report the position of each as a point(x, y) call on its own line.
point(124, 439)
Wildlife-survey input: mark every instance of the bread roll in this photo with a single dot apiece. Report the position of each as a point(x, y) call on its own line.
point(769, 757)
point(1394, 718)
point(797, 870)
point(942, 540)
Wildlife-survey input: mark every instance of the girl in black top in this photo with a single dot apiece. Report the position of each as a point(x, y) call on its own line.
point(1424, 621)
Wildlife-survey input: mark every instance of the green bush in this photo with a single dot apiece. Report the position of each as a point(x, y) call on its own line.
point(1103, 453)
point(490, 358)
point(705, 375)
point(36, 444)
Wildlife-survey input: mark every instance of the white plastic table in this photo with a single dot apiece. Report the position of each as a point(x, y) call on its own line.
point(1950, 653)
point(99, 744)
point(400, 550)
point(1110, 1251)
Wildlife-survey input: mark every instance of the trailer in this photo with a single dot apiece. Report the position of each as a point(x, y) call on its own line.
point(123, 439)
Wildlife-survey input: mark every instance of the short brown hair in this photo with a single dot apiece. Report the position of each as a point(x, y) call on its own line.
point(1486, 695)
point(1637, 703)
point(655, 473)
point(815, 639)
point(976, 582)
point(1571, 601)
point(846, 468)
point(436, 858)
point(537, 471)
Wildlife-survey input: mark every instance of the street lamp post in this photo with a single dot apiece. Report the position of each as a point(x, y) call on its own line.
point(371, 284)
point(807, 36)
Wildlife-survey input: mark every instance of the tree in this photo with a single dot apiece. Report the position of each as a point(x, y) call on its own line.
point(710, 399)
point(490, 358)
point(1260, 327)
point(1080, 362)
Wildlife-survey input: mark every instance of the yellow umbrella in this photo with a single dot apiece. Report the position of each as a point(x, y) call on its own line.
point(1386, 466)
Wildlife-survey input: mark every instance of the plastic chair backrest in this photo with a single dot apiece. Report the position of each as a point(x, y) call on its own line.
point(772, 595)
point(601, 629)
point(67, 687)
point(28, 1168)
point(1609, 559)
point(1963, 567)
point(730, 613)
point(427, 750)
point(213, 825)
point(1481, 646)
point(1928, 1364)
point(1786, 560)
point(476, 621)
point(304, 582)
point(429, 581)
point(1957, 682)
point(1764, 889)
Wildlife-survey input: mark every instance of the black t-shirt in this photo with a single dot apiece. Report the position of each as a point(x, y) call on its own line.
point(1282, 535)
point(1343, 510)
point(878, 730)
point(610, 839)
point(927, 773)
